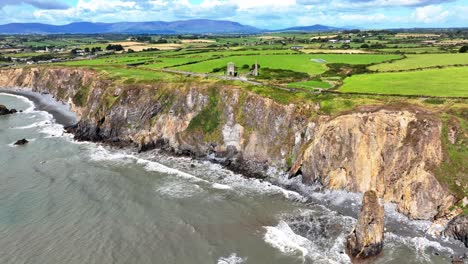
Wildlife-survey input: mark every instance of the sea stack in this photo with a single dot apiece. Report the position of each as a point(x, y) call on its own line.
point(366, 240)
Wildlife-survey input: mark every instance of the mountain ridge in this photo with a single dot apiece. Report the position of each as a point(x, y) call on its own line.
point(194, 26)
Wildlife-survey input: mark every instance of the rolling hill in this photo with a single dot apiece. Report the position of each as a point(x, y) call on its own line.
point(194, 26)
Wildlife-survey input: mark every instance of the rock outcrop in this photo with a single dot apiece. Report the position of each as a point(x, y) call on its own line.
point(458, 229)
point(21, 142)
point(366, 240)
point(5, 111)
point(394, 150)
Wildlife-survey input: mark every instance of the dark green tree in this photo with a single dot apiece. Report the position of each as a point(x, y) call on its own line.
point(464, 49)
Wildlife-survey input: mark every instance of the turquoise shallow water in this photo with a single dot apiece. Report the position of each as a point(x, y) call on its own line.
point(63, 201)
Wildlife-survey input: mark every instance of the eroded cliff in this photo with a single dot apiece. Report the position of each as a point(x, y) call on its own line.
point(392, 150)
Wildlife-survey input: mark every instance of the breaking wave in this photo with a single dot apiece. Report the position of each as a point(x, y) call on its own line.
point(232, 259)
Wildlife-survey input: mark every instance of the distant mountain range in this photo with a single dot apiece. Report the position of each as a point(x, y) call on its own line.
point(314, 28)
point(196, 26)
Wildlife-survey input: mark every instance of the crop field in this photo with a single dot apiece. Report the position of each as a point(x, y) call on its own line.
point(407, 35)
point(448, 82)
point(310, 64)
point(138, 46)
point(423, 61)
point(337, 51)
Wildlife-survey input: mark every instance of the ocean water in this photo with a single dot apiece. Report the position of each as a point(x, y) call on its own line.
point(63, 201)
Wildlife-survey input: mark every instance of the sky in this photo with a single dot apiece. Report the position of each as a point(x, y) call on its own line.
point(266, 14)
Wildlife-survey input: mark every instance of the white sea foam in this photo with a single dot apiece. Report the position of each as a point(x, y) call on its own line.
point(245, 185)
point(46, 125)
point(420, 245)
point(24, 99)
point(284, 239)
point(221, 186)
point(178, 189)
point(158, 167)
point(392, 213)
point(99, 153)
point(232, 259)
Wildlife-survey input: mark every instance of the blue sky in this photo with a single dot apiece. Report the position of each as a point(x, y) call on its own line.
point(269, 14)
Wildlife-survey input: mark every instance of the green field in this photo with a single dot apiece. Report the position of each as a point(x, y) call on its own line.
point(25, 55)
point(423, 61)
point(136, 75)
point(434, 82)
point(415, 50)
point(164, 59)
point(310, 85)
point(298, 63)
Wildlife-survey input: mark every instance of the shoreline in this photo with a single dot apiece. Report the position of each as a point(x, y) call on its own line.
point(65, 116)
point(61, 112)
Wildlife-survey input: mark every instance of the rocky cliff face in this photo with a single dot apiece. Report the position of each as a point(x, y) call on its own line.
point(458, 229)
point(393, 151)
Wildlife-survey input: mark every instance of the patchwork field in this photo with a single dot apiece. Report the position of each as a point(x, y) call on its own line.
point(423, 61)
point(404, 65)
point(310, 64)
point(448, 82)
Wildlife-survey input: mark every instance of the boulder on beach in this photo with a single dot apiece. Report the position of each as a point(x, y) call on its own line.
point(366, 240)
point(21, 142)
point(5, 111)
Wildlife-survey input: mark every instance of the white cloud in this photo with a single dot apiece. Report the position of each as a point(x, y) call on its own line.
point(271, 14)
point(245, 4)
point(430, 14)
point(359, 19)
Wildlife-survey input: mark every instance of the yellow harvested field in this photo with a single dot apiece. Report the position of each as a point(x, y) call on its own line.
point(324, 37)
point(139, 46)
point(270, 37)
point(128, 43)
point(404, 35)
point(198, 41)
point(155, 46)
point(453, 42)
point(9, 50)
point(337, 51)
point(136, 46)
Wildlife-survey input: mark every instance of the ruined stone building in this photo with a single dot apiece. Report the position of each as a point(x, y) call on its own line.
point(231, 69)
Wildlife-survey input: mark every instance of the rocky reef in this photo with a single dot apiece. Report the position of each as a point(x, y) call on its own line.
point(366, 240)
point(393, 150)
point(5, 111)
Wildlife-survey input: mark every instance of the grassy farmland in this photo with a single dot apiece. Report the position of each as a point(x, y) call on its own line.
point(310, 85)
point(317, 64)
point(413, 62)
point(450, 82)
point(310, 64)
